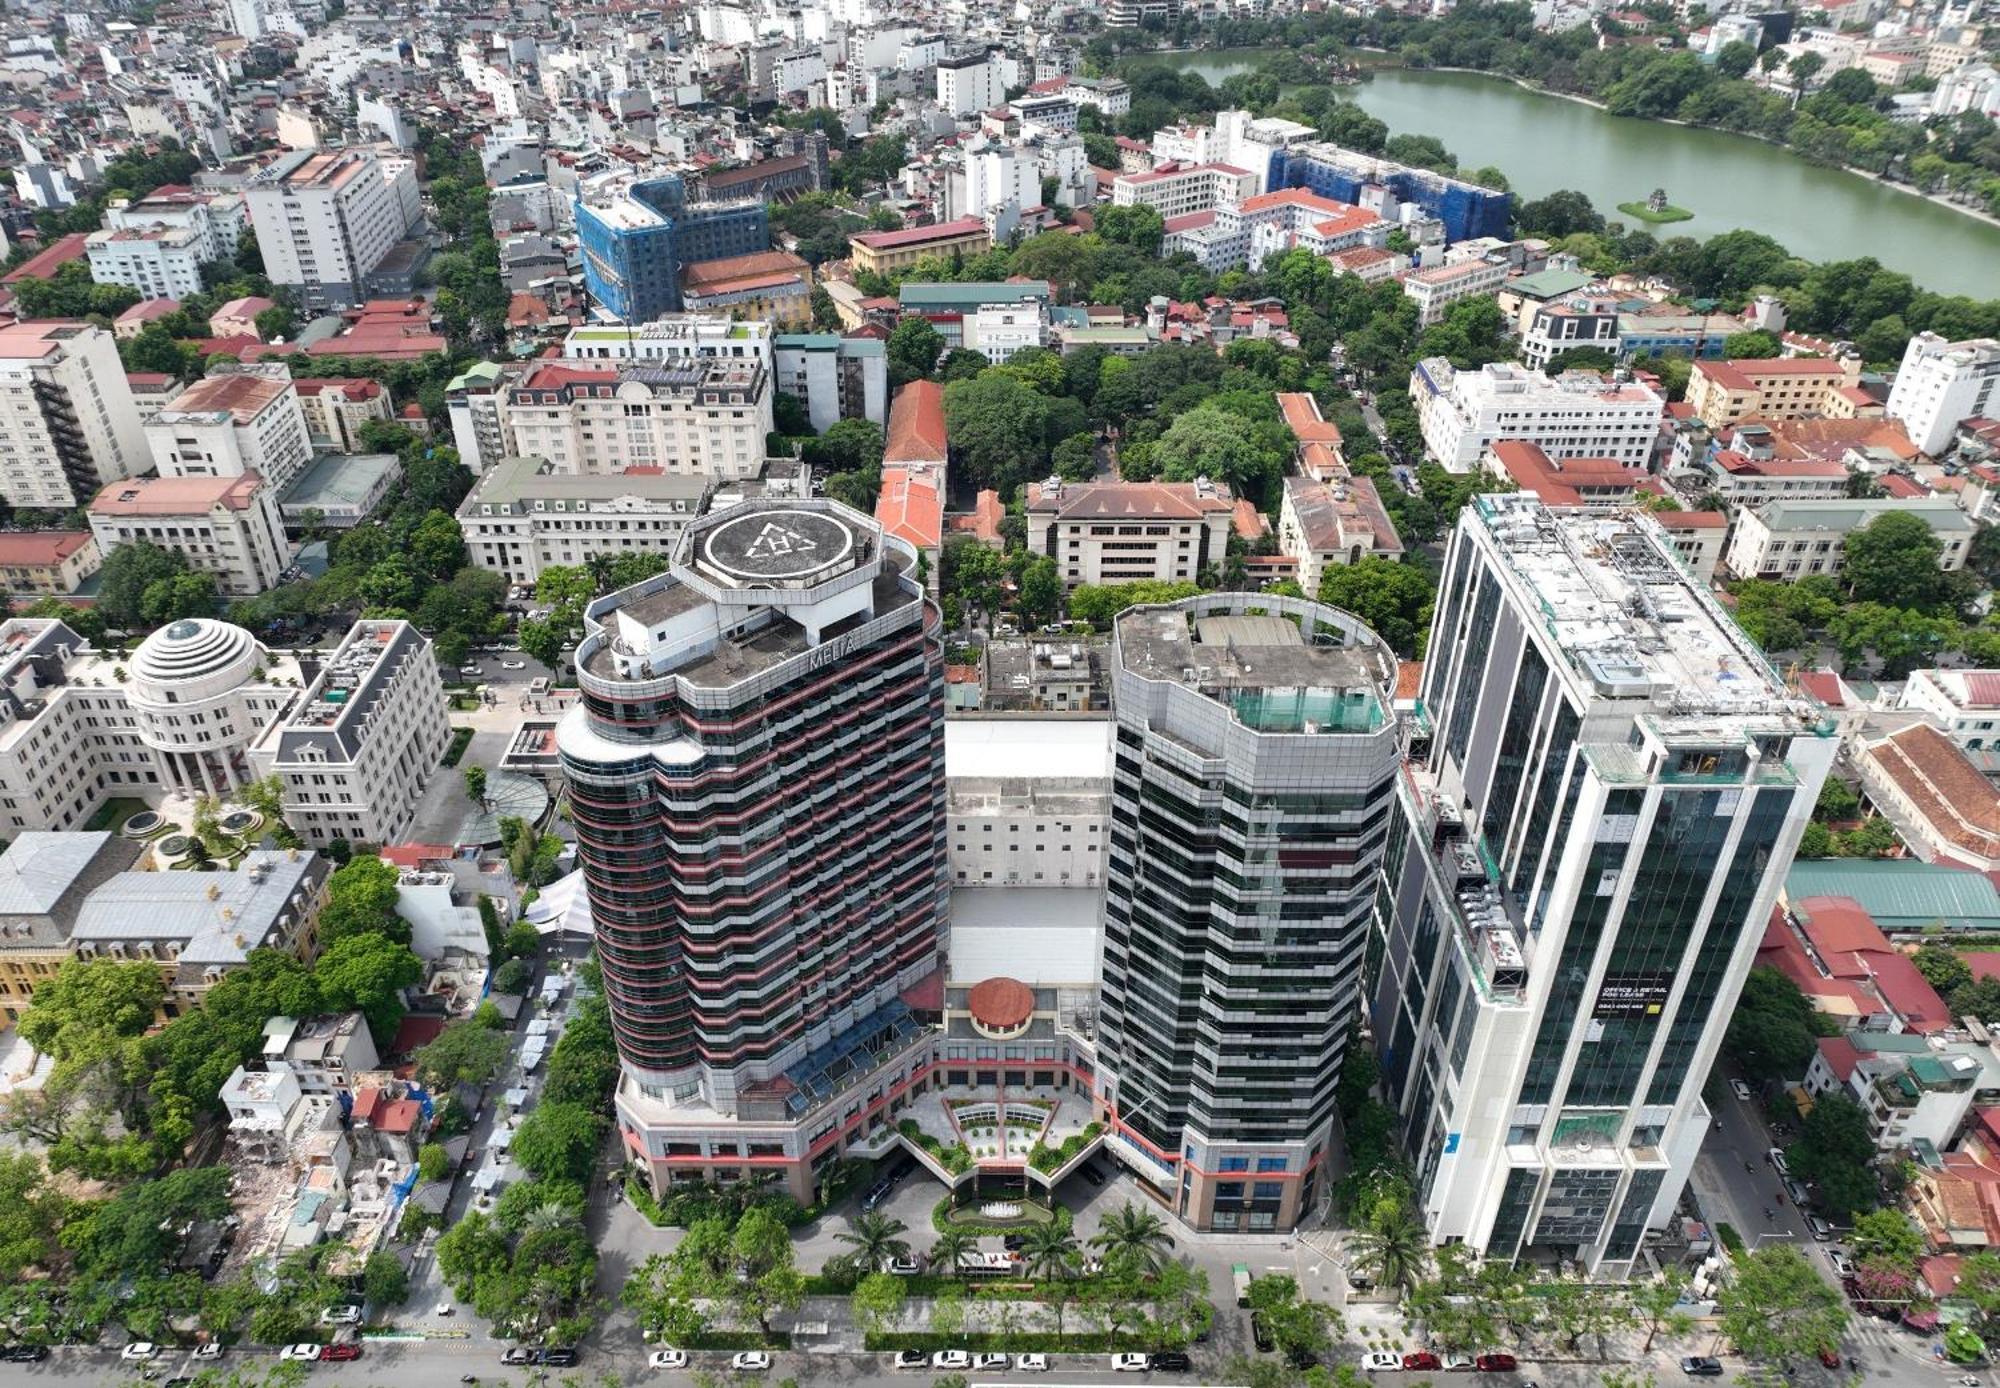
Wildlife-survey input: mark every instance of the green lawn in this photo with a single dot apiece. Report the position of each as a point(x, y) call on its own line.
point(113, 813)
point(1669, 213)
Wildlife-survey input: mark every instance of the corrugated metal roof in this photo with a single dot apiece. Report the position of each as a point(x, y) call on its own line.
point(1901, 894)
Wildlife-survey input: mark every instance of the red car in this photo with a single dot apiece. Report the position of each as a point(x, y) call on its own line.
point(1829, 1358)
point(1422, 1359)
point(340, 1352)
point(1495, 1363)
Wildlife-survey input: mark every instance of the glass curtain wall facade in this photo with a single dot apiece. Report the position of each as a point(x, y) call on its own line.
point(1587, 850)
point(1248, 816)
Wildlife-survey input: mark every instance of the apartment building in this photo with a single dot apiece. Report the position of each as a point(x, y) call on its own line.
point(226, 526)
point(703, 417)
point(1120, 532)
point(891, 252)
point(47, 561)
point(159, 262)
point(361, 743)
point(326, 219)
point(1256, 739)
point(1584, 852)
point(1175, 190)
point(522, 515)
point(993, 319)
point(675, 337)
point(1790, 540)
point(749, 1026)
point(476, 401)
point(838, 377)
point(44, 879)
point(68, 424)
point(335, 408)
point(1942, 384)
point(1727, 392)
point(324, 1053)
point(968, 83)
point(239, 419)
point(1438, 287)
point(1027, 801)
point(1697, 538)
point(1578, 414)
point(216, 216)
point(1572, 324)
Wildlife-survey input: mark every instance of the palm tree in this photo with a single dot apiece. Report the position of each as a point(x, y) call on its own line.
point(1048, 1251)
point(1393, 1247)
point(874, 1238)
point(548, 1216)
point(1133, 1236)
point(951, 1241)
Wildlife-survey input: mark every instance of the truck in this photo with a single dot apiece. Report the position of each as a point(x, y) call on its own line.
point(1240, 1274)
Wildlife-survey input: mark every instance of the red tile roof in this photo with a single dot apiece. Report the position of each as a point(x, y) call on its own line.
point(913, 236)
point(44, 265)
point(1939, 780)
point(1840, 1056)
point(34, 549)
point(916, 425)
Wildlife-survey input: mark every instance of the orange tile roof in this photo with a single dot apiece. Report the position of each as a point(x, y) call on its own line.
point(30, 549)
point(911, 507)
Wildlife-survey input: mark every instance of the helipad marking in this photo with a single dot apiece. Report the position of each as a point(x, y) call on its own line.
point(775, 541)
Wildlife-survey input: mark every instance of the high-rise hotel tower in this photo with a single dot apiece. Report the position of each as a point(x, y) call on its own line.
point(756, 771)
point(1605, 792)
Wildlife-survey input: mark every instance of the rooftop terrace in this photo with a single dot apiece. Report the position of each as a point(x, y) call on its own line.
point(1631, 620)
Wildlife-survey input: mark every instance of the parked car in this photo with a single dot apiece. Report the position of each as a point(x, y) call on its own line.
point(1777, 1158)
point(995, 1362)
point(138, 1352)
point(1260, 1335)
point(1495, 1363)
point(951, 1359)
point(877, 1193)
point(1457, 1363)
point(513, 665)
point(905, 1167)
point(340, 1353)
point(912, 1359)
point(519, 1354)
point(300, 1354)
point(1843, 1266)
point(1172, 1361)
point(1701, 1366)
point(1830, 1358)
point(28, 1354)
point(904, 1267)
point(1381, 1361)
point(562, 1356)
point(667, 1359)
point(1740, 1090)
point(1822, 1232)
point(1422, 1359)
point(340, 1315)
point(1131, 1363)
point(472, 670)
point(751, 1361)
point(1032, 1363)
point(1093, 1175)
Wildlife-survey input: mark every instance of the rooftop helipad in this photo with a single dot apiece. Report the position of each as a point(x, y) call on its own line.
point(779, 546)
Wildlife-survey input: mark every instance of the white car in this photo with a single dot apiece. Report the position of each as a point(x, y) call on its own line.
point(667, 1359)
point(513, 665)
point(1131, 1363)
point(983, 1362)
point(209, 1351)
point(912, 1359)
point(751, 1361)
point(299, 1354)
point(468, 669)
point(1032, 1363)
point(1843, 1266)
point(1740, 1090)
point(1457, 1363)
point(1381, 1360)
point(139, 1352)
point(340, 1315)
point(951, 1359)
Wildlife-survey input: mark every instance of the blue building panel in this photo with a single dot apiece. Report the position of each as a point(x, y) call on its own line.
point(632, 269)
point(1467, 210)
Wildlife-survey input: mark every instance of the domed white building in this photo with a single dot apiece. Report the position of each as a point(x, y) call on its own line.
point(201, 692)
